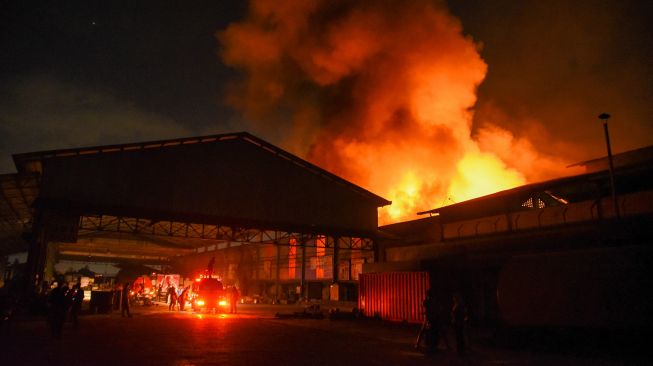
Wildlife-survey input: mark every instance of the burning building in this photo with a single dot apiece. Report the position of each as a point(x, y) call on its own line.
point(550, 254)
point(553, 253)
point(384, 94)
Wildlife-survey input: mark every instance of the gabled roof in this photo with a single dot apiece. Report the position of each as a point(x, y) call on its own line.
point(32, 162)
point(232, 180)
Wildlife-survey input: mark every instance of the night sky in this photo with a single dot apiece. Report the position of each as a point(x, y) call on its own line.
point(84, 73)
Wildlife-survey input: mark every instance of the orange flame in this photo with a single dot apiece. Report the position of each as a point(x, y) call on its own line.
point(479, 174)
point(379, 93)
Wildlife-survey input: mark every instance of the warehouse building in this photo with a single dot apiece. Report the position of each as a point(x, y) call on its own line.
point(271, 223)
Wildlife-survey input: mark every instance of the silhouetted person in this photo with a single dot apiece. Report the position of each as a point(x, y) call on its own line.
point(169, 291)
point(423, 329)
point(76, 306)
point(172, 293)
point(430, 329)
point(125, 300)
point(58, 308)
point(234, 295)
point(183, 297)
point(458, 320)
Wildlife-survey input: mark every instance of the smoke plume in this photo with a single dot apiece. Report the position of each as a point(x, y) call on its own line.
point(380, 93)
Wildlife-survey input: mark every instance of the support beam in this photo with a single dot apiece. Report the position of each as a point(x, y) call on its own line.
point(51, 259)
point(37, 253)
point(335, 261)
point(302, 242)
point(377, 252)
point(93, 224)
point(277, 284)
point(257, 259)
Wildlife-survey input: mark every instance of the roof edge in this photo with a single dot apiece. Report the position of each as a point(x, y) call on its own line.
point(22, 159)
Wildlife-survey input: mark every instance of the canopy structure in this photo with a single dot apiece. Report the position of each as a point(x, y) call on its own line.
point(17, 194)
point(156, 202)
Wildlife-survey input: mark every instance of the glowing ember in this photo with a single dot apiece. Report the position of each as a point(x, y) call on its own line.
point(380, 93)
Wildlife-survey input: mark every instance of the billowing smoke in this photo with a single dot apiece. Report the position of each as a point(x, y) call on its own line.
point(379, 92)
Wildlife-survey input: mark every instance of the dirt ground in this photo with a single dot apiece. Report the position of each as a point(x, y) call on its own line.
point(254, 336)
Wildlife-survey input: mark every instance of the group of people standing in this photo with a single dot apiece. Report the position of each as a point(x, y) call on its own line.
point(177, 300)
point(64, 303)
point(434, 328)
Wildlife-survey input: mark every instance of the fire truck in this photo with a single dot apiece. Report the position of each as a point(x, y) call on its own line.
point(209, 295)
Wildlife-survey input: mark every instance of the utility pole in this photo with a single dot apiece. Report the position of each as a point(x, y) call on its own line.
point(605, 117)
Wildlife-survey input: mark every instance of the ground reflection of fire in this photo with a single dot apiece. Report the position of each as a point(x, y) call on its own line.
point(381, 94)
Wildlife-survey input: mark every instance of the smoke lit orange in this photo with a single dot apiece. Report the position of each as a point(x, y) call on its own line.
point(380, 93)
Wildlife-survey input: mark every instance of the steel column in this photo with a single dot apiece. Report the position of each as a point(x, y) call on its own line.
point(257, 259)
point(302, 242)
point(335, 261)
point(277, 285)
point(37, 252)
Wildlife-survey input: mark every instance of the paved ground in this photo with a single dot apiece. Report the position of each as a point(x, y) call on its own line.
point(155, 336)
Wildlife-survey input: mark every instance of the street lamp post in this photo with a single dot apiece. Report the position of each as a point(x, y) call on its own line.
point(605, 117)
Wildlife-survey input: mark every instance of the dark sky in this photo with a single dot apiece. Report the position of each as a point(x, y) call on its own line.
point(80, 73)
point(561, 63)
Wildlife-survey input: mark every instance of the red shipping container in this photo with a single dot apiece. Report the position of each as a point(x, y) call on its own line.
point(394, 296)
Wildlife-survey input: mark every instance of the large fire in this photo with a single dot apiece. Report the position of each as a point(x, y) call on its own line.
point(378, 92)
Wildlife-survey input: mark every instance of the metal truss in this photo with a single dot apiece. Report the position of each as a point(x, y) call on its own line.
point(355, 243)
point(184, 230)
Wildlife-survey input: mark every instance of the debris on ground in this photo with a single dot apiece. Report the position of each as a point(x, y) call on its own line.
point(310, 312)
